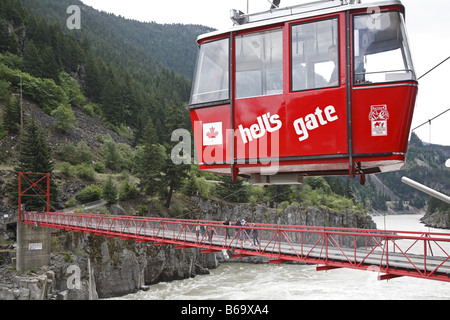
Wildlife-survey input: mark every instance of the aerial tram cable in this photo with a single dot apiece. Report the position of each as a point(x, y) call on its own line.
point(429, 120)
point(440, 63)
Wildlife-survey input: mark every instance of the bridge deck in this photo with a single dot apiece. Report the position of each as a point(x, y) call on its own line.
point(391, 253)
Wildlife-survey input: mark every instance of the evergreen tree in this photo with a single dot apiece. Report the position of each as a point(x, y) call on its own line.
point(4, 91)
point(35, 154)
point(109, 191)
point(50, 68)
point(139, 128)
point(11, 116)
point(336, 185)
point(72, 53)
point(230, 190)
point(32, 60)
point(127, 99)
point(150, 160)
point(35, 158)
point(111, 99)
point(92, 84)
point(278, 193)
point(175, 173)
point(111, 154)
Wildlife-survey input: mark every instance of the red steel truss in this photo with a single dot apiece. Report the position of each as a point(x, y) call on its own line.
point(390, 253)
point(34, 185)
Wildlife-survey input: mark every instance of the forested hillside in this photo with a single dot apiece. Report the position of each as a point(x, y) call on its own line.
point(136, 46)
point(115, 64)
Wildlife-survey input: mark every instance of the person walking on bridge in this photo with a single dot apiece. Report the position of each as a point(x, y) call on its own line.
point(197, 229)
point(254, 234)
point(246, 237)
point(239, 224)
point(227, 230)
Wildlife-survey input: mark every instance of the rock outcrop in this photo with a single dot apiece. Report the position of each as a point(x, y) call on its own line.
point(438, 220)
point(124, 266)
point(292, 215)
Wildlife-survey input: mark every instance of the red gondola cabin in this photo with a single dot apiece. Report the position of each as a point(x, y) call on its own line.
point(310, 90)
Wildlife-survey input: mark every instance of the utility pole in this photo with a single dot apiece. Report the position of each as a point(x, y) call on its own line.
point(21, 112)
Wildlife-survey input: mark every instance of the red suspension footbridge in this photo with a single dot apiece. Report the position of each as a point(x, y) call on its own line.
point(392, 254)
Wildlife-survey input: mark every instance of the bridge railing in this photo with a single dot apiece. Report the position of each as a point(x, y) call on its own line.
point(419, 254)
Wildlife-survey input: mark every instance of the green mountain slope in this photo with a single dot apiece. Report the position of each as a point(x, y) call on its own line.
point(126, 84)
point(137, 46)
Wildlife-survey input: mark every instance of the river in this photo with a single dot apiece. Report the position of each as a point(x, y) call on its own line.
point(241, 281)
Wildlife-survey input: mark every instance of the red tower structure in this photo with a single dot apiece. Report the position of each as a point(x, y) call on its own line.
point(34, 185)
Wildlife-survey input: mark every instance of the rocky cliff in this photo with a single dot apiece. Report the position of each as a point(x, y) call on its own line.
point(292, 215)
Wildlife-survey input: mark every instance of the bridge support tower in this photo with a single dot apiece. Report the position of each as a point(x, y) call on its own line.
point(33, 247)
point(33, 242)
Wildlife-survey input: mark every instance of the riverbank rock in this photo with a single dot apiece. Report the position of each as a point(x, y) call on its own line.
point(440, 220)
point(54, 282)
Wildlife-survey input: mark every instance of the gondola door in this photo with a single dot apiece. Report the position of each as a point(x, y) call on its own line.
point(259, 100)
point(316, 115)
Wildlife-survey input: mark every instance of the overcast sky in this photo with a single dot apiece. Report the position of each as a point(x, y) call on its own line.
point(428, 24)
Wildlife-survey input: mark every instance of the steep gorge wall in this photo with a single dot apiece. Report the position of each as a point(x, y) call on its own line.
point(123, 266)
point(292, 215)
